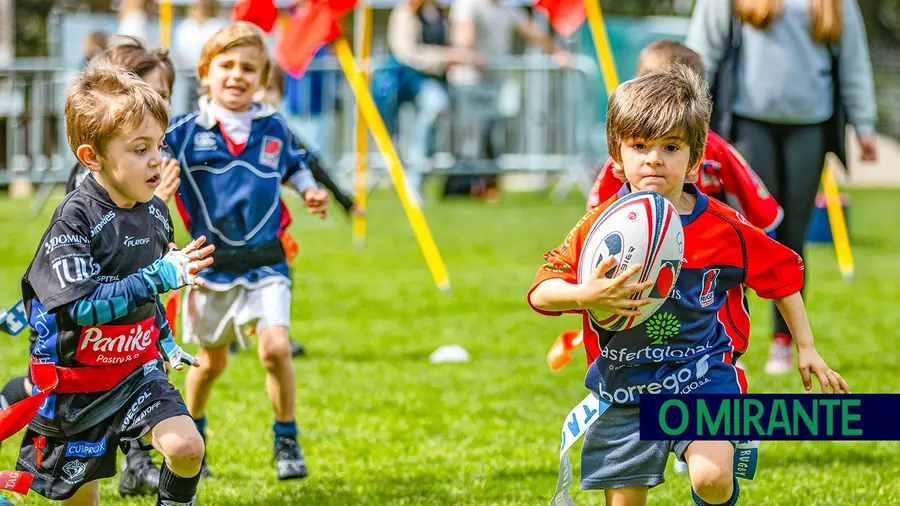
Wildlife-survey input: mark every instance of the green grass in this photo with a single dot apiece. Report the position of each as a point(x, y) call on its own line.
point(381, 425)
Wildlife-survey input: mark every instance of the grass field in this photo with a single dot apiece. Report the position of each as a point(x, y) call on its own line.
point(381, 425)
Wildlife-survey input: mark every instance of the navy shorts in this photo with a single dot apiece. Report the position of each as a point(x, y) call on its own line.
point(67, 464)
point(613, 455)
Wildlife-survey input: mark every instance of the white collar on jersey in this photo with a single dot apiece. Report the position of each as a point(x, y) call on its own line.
point(207, 120)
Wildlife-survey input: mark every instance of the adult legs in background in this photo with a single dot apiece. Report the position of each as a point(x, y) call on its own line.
point(789, 160)
point(431, 100)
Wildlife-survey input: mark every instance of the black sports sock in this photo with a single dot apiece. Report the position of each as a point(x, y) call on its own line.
point(175, 490)
point(13, 392)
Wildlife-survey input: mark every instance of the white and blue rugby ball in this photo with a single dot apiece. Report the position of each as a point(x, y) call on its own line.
point(642, 227)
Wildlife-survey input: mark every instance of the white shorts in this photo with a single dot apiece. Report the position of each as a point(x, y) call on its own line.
point(212, 319)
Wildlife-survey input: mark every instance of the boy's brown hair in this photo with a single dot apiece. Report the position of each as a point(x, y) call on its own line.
point(133, 56)
point(276, 80)
point(105, 101)
point(674, 101)
point(664, 52)
point(234, 35)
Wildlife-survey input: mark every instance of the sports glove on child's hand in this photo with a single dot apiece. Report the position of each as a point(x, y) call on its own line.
point(175, 355)
point(179, 267)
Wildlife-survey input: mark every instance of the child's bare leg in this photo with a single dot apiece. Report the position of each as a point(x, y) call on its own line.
point(626, 496)
point(710, 464)
point(275, 355)
point(179, 442)
point(87, 495)
point(200, 380)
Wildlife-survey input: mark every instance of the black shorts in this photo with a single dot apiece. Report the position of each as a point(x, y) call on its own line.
point(69, 463)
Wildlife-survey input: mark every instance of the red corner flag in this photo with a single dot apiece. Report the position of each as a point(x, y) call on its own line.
point(262, 13)
point(313, 25)
point(566, 16)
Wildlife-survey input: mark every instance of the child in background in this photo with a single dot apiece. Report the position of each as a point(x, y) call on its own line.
point(656, 131)
point(235, 155)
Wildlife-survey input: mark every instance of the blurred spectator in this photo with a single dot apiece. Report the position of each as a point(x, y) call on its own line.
point(202, 21)
point(487, 26)
point(783, 97)
point(94, 44)
point(418, 37)
point(310, 102)
point(133, 19)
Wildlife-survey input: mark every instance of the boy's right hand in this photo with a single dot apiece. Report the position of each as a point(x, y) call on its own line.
point(612, 295)
point(169, 179)
point(179, 267)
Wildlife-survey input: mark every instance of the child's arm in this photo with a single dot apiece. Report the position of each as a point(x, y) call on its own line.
point(598, 292)
point(794, 312)
point(298, 175)
point(321, 175)
point(109, 301)
point(175, 355)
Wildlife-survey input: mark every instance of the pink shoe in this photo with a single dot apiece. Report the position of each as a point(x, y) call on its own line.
point(781, 357)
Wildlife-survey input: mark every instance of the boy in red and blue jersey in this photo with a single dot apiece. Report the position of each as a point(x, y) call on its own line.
point(656, 131)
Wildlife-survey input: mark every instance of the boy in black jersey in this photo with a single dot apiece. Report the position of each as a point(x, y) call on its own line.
point(92, 295)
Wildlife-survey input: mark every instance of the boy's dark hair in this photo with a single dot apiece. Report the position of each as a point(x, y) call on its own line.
point(663, 52)
point(133, 56)
point(673, 101)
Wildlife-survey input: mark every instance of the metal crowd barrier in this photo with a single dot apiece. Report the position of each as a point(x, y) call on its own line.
point(550, 126)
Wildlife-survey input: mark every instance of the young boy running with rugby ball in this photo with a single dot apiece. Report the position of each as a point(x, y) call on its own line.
point(656, 131)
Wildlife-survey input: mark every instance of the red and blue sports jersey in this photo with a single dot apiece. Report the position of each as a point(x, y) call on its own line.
point(232, 193)
point(691, 343)
point(724, 174)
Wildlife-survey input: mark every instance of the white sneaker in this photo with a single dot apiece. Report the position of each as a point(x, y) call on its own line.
point(781, 357)
point(680, 467)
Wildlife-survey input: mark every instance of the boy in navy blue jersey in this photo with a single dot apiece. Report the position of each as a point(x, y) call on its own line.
point(656, 131)
point(235, 155)
point(92, 296)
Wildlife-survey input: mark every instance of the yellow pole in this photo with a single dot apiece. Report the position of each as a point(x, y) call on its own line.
point(383, 141)
point(837, 222)
point(363, 38)
point(601, 45)
point(165, 23)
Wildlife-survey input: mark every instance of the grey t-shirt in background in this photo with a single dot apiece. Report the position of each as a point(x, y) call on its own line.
point(784, 76)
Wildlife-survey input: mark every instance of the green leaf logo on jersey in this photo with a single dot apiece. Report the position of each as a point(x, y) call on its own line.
point(661, 327)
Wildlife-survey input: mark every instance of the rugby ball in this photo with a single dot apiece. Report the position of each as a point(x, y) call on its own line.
point(642, 227)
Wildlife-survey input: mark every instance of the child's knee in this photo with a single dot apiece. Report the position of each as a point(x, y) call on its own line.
point(712, 483)
point(274, 348)
point(184, 451)
point(212, 363)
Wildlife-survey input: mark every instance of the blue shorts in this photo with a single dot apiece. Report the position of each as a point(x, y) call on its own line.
point(613, 455)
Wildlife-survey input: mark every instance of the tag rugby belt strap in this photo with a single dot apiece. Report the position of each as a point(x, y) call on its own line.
point(247, 258)
point(49, 378)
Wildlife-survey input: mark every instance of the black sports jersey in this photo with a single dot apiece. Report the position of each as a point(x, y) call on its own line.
point(94, 250)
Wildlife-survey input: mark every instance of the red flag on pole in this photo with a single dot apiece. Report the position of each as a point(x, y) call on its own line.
point(262, 13)
point(566, 16)
point(313, 25)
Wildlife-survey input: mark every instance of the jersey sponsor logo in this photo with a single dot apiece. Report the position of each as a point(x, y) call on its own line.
point(205, 141)
point(108, 217)
point(74, 471)
point(74, 268)
point(708, 288)
point(115, 344)
point(108, 279)
point(156, 213)
point(149, 367)
point(683, 381)
point(655, 354)
point(270, 152)
point(134, 409)
point(65, 240)
point(86, 449)
point(131, 242)
point(151, 408)
point(662, 327)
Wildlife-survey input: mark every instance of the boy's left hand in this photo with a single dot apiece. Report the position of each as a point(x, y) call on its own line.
point(176, 356)
point(810, 362)
point(169, 179)
point(317, 201)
